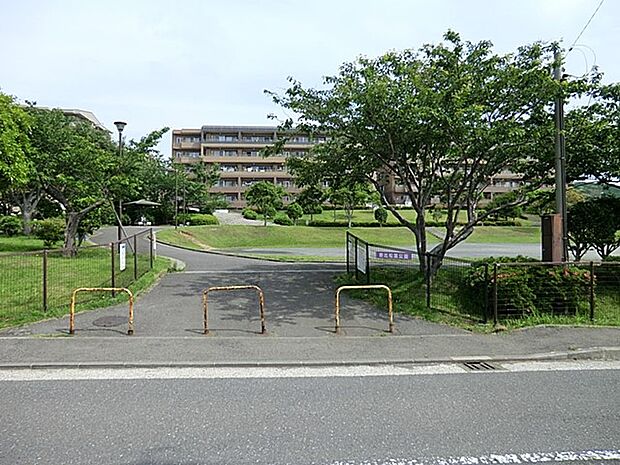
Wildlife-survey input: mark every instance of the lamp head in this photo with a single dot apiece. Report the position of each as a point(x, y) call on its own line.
point(120, 125)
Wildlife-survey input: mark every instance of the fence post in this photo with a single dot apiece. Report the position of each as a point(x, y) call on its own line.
point(486, 292)
point(151, 248)
point(356, 270)
point(347, 252)
point(113, 275)
point(428, 279)
point(592, 302)
point(367, 265)
point(135, 257)
point(45, 280)
point(495, 315)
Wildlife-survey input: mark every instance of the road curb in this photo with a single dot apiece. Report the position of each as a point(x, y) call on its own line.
point(598, 353)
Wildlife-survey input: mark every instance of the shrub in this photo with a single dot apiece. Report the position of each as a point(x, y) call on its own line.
point(249, 214)
point(282, 219)
point(10, 225)
point(197, 219)
point(50, 231)
point(526, 289)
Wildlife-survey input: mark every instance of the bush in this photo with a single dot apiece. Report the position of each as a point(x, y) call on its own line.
point(283, 219)
point(50, 231)
point(526, 289)
point(197, 219)
point(10, 225)
point(249, 214)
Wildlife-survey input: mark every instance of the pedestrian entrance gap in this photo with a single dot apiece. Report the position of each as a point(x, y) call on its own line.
point(205, 303)
point(366, 286)
point(101, 289)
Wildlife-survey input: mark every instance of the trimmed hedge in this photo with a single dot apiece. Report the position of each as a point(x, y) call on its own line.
point(249, 214)
point(198, 219)
point(375, 224)
point(283, 220)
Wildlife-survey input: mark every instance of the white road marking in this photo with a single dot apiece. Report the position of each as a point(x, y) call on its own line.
point(539, 457)
point(55, 374)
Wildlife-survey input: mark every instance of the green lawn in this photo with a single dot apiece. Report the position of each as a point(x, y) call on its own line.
point(20, 244)
point(21, 283)
point(230, 237)
point(368, 216)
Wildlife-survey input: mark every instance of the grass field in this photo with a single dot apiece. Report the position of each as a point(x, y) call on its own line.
point(19, 244)
point(21, 282)
point(230, 237)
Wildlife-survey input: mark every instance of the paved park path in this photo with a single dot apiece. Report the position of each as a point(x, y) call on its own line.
point(299, 301)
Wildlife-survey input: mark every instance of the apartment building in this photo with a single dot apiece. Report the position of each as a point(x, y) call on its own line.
point(501, 183)
point(236, 151)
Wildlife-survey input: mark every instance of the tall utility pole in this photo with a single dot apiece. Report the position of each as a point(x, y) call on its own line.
point(560, 156)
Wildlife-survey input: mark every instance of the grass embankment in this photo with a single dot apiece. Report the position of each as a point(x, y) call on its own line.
point(21, 283)
point(19, 244)
point(408, 288)
point(230, 237)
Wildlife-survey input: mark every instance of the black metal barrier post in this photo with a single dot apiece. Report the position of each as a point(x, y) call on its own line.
point(347, 252)
point(135, 257)
point(428, 279)
point(495, 317)
point(151, 242)
point(356, 269)
point(592, 301)
point(113, 276)
point(486, 292)
point(45, 280)
point(367, 265)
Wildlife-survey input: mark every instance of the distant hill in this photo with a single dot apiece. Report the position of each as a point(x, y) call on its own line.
point(594, 190)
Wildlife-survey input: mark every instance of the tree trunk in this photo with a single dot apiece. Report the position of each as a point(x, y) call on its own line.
point(73, 221)
point(28, 202)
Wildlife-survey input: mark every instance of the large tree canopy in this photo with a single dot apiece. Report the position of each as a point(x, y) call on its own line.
point(14, 143)
point(443, 121)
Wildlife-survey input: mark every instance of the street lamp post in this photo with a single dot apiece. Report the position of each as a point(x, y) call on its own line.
point(120, 125)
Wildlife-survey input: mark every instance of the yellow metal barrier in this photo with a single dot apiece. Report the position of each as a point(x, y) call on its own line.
point(205, 303)
point(366, 286)
point(98, 289)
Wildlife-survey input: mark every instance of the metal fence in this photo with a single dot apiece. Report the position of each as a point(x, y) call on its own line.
point(42, 281)
point(483, 291)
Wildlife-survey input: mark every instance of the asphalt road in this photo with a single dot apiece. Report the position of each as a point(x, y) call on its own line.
point(327, 418)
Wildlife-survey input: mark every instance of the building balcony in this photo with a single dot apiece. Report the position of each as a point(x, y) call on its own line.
point(241, 160)
point(186, 145)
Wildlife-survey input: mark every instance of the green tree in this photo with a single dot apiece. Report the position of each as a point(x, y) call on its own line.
point(505, 206)
point(266, 197)
point(294, 212)
point(76, 164)
point(349, 196)
point(592, 135)
point(381, 215)
point(442, 120)
point(311, 200)
point(14, 143)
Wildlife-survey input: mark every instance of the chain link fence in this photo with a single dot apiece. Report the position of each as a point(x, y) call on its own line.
point(39, 283)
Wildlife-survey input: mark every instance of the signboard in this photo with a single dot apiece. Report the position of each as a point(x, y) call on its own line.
point(122, 250)
point(394, 255)
point(361, 259)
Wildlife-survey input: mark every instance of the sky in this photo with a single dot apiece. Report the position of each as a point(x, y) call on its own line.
point(184, 64)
